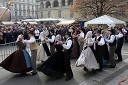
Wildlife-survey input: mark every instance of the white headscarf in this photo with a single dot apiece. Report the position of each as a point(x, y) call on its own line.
point(88, 35)
point(42, 35)
point(58, 37)
point(18, 38)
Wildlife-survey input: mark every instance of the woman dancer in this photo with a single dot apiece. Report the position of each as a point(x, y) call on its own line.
point(76, 46)
point(19, 61)
point(87, 58)
point(43, 50)
point(54, 65)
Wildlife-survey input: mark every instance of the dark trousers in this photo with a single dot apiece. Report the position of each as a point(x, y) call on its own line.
point(67, 66)
point(118, 51)
point(111, 55)
point(99, 58)
point(52, 49)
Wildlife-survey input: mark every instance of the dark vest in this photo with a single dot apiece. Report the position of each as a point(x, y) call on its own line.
point(52, 43)
point(114, 42)
point(98, 47)
point(120, 40)
point(70, 49)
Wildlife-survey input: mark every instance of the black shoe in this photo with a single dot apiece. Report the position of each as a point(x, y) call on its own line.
point(93, 71)
point(23, 73)
point(100, 70)
point(33, 73)
point(85, 69)
point(118, 61)
point(67, 79)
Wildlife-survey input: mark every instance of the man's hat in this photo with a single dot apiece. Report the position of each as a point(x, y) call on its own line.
point(52, 31)
point(68, 33)
point(98, 31)
point(119, 29)
point(112, 30)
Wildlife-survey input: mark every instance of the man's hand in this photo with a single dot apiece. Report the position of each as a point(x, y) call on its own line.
point(60, 42)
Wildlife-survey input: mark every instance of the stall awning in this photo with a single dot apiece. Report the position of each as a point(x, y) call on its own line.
point(110, 21)
point(67, 22)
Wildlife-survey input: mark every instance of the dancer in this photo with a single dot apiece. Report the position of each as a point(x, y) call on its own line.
point(99, 43)
point(54, 65)
point(33, 48)
point(87, 58)
point(112, 47)
point(43, 50)
point(120, 40)
point(19, 61)
point(67, 55)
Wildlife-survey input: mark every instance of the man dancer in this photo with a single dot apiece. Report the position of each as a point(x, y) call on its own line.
point(120, 40)
point(33, 48)
point(98, 49)
point(67, 50)
point(51, 41)
point(112, 47)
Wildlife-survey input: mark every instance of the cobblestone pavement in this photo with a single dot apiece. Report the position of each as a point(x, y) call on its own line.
point(122, 79)
point(80, 77)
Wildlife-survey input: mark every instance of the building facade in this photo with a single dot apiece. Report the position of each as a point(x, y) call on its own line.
point(54, 8)
point(22, 9)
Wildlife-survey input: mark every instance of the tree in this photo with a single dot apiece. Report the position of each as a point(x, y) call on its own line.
point(95, 8)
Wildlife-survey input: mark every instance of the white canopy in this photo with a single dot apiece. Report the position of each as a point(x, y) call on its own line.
point(110, 21)
point(29, 20)
point(8, 23)
point(66, 22)
point(33, 23)
point(49, 19)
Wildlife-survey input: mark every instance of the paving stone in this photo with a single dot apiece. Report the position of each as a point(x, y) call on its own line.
point(100, 76)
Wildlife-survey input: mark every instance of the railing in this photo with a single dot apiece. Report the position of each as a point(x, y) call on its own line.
point(9, 48)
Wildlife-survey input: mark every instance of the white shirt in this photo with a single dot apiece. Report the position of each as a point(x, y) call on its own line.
point(124, 30)
point(101, 42)
point(31, 40)
point(111, 40)
point(52, 39)
point(120, 35)
point(68, 44)
point(37, 32)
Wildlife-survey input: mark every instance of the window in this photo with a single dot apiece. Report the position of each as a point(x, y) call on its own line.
point(55, 3)
point(48, 4)
point(59, 14)
point(41, 5)
point(70, 2)
point(63, 2)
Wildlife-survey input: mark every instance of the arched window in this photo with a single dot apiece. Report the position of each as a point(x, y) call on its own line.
point(55, 3)
point(63, 2)
point(70, 2)
point(48, 4)
point(41, 5)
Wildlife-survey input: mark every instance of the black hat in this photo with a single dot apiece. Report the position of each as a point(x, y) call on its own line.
point(52, 31)
point(119, 29)
point(68, 33)
point(98, 31)
point(112, 30)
